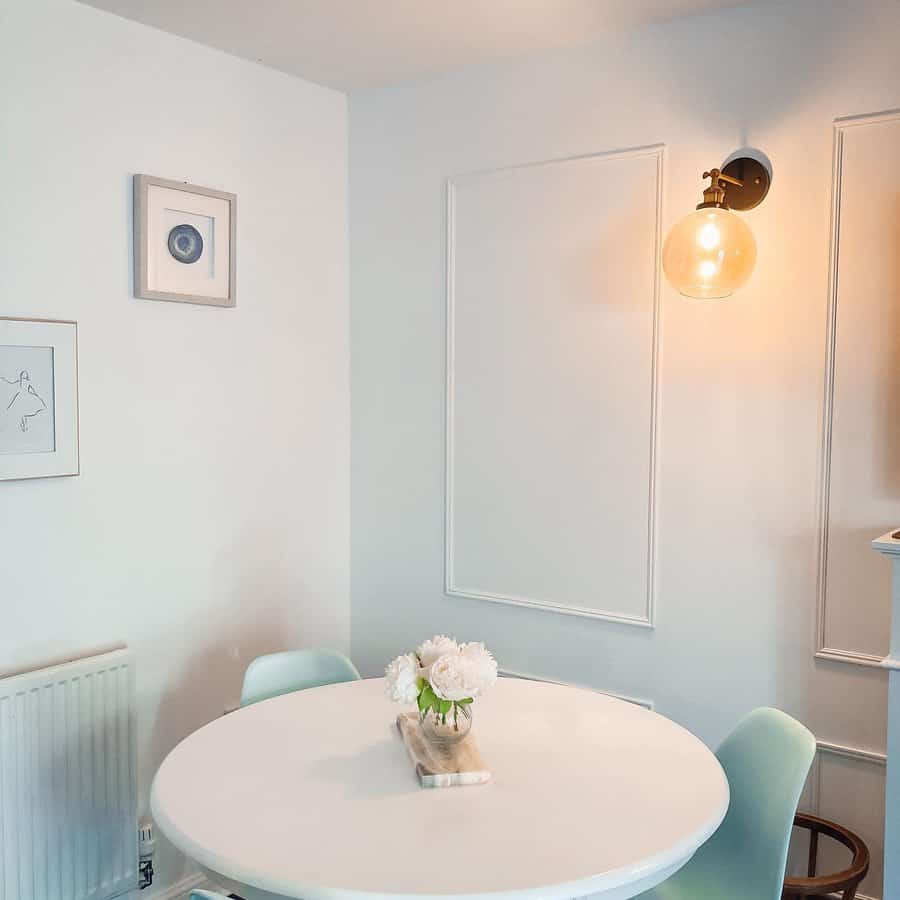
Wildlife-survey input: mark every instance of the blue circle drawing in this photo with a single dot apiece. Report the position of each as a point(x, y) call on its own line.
point(185, 243)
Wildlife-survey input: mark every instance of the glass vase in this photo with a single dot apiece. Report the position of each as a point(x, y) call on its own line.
point(443, 730)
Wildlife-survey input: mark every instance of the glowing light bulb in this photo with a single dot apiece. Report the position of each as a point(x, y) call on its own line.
point(709, 237)
point(709, 254)
point(707, 269)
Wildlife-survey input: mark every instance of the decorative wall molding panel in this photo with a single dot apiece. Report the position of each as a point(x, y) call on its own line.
point(552, 340)
point(869, 757)
point(512, 673)
point(860, 472)
point(850, 796)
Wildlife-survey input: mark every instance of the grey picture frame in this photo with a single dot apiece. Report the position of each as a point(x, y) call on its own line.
point(142, 288)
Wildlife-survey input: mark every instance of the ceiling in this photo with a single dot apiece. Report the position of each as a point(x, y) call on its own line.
point(358, 44)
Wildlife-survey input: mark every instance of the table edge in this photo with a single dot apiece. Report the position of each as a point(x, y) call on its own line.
point(665, 863)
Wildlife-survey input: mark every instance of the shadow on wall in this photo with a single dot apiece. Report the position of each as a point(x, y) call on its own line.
point(55, 658)
point(772, 97)
point(208, 686)
point(204, 689)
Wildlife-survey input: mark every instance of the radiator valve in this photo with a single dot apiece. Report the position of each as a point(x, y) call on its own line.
point(146, 849)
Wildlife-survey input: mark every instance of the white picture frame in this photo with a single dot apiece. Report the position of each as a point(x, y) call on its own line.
point(38, 398)
point(185, 242)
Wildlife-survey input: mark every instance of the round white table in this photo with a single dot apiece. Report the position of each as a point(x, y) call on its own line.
point(312, 795)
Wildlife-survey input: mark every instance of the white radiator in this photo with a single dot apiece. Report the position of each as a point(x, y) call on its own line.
point(68, 816)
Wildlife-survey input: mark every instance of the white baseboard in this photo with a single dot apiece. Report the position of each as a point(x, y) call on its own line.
point(177, 891)
point(528, 676)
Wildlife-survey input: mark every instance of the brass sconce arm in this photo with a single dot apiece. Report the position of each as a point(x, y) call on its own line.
point(714, 195)
point(740, 184)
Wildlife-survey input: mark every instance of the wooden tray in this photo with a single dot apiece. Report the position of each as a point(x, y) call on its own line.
point(450, 766)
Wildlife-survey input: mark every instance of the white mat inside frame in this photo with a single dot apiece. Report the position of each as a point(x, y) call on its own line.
point(450, 765)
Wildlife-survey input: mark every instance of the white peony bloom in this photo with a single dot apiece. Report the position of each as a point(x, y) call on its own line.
point(483, 662)
point(454, 677)
point(402, 678)
point(433, 649)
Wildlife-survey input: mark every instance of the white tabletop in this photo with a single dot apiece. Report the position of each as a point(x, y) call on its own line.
point(312, 795)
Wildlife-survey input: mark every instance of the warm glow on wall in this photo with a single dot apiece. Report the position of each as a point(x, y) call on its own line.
point(711, 253)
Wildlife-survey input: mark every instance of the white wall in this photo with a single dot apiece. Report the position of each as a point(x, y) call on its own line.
point(211, 519)
point(741, 381)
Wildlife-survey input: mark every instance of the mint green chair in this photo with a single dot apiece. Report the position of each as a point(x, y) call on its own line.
point(294, 670)
point(766, 760)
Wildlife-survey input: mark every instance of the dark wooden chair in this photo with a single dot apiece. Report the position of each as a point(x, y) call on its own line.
point(845, 882)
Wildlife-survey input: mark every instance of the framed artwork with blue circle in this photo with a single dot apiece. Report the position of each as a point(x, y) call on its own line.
point(185, 242)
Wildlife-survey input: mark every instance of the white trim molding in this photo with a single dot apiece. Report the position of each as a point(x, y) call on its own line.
point(867, 756)
point(527, 676)
point(823, 651)
point(179, 891)
point(850, 656)
point(451, 588)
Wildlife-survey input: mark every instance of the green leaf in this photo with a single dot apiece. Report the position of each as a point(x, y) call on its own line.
point(465, 702)
point(445, 706)
point(426, 698)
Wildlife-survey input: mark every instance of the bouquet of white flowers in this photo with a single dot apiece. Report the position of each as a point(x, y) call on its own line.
point(442, 677)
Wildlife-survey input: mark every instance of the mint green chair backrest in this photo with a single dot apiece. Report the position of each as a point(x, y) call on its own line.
point(766, 760)
point(294, 670)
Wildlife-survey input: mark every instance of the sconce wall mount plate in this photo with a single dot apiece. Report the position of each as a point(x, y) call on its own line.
point(754, 180)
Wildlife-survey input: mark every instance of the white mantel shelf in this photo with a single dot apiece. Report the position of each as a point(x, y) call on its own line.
point(890, 546)
point(887, 544)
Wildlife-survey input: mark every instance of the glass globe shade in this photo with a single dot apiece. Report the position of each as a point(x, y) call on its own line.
point(709, 254)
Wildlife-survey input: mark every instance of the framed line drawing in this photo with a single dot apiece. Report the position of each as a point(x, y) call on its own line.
point(185, 242)
point(38, 398)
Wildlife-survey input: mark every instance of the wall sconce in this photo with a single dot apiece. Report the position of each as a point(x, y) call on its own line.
point(710, 253)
